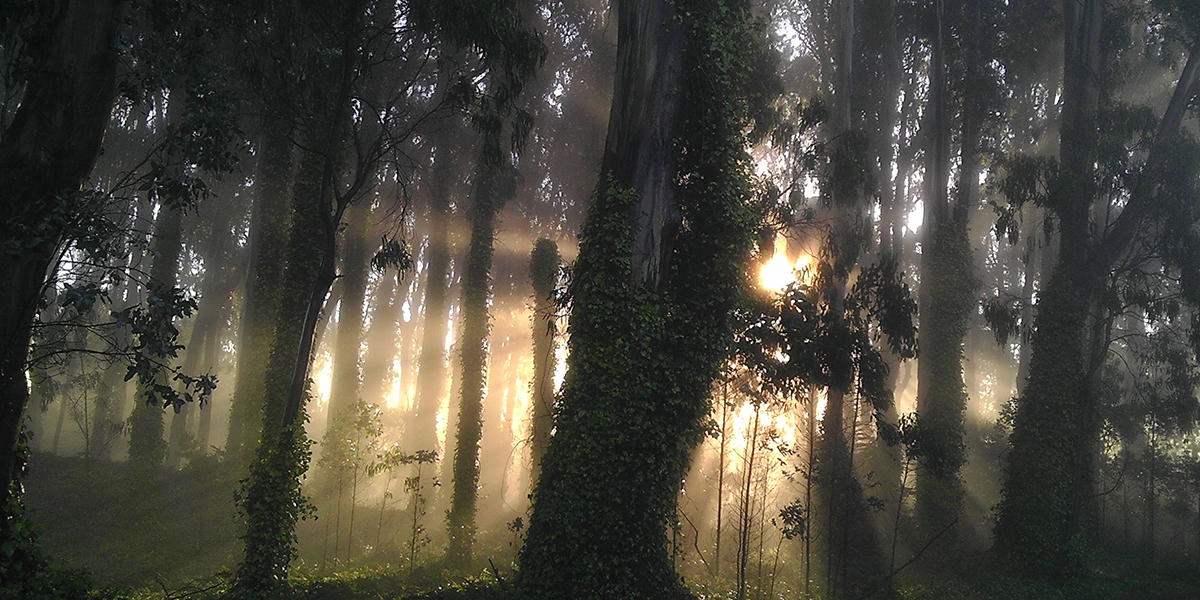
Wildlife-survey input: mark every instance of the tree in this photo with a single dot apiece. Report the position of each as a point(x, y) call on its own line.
point(1046, 512)
point(544, 263)
point(346, 373)
point(663, 251)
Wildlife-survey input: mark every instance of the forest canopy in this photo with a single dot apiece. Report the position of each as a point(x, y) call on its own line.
point(653, 299)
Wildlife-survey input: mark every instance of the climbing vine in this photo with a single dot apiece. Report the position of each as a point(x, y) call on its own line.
point(643, 358)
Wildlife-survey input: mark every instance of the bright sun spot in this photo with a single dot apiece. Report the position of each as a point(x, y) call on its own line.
point(779, 272)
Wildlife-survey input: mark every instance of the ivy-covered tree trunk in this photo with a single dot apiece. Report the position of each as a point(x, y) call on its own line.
point(543, 273)
point(1049, 490)
point(946, 298)
point(663, 253)
point(476, 289)
point(269, 218)
point(271, 499)
point(1041, 520)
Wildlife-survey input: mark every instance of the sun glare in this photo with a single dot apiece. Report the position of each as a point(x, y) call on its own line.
point(779, 272)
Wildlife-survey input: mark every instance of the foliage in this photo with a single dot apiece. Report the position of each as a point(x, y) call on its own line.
point(352, 440)
point(392, 254)
point(826, 348)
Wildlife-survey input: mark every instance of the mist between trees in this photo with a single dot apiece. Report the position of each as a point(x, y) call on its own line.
point(743, 299)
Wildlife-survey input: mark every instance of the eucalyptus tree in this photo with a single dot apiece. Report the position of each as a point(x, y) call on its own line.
point(963, 99)
point(544, 264)
point(50, 141)
point(1110, 209)
point(503, 132)
point(62, 70)
point(431, 365)
point(344, 393)
point(663, 253)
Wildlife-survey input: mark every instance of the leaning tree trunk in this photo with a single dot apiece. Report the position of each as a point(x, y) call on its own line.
point(271, 497)
point(649, 324)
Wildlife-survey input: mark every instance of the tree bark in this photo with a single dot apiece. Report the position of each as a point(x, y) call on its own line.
point(946, 295)
point(1049, 496)
point(476, 289)
point(640, 373)
point(348, 341)
point(543, 271)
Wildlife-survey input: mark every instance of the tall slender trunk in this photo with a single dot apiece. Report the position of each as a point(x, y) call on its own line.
point(431, 376)
point(205, 328)
point(113, 387)
point(543, 272)
point(476, 289)
point(147, 448)
point(381, 340)
point(353, 281)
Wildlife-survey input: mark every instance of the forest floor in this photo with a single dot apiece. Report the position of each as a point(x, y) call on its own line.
point(124, 542)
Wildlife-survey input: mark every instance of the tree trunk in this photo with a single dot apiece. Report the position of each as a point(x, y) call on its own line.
point(543, 272)
point(269, 220)
point(651, 301)
point(347, 344)
point(147, 448)
point(1040, 526)
point(381, 340)
point(476, 289)
point(946, 297)
point(273, 489)
point(431, 377)
point(205, 327)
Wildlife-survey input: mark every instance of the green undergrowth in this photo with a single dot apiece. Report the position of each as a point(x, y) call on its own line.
point(384, 582)
point(129, 530)
point(1090, 588)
